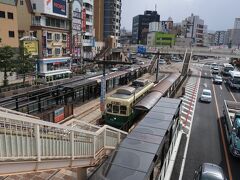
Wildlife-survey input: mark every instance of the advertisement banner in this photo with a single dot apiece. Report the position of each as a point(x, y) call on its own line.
point(44, 44)
point(59, 115)
point(83, 20)
point(59, 7)
point(103, 94)
point(31, 46)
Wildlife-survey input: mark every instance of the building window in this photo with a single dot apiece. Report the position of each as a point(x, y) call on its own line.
point(11, 33)
point(49, 36)
point(57, 37)
point(57, 51)
point(64, 37)
point(21, 2)
point(10, 15)
point(49, 51)
point(64, 51)
point(2, 14)
point(34, 6)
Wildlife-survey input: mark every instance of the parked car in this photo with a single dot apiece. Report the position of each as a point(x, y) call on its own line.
point(206, 95)
point(217, 79)
point(209, 171)
point(114, 69)
point(162, 61)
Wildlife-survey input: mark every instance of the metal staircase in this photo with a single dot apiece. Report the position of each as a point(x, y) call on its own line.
point(29, 144)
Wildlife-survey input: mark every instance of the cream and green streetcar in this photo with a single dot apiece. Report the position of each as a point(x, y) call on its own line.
point(119, 106)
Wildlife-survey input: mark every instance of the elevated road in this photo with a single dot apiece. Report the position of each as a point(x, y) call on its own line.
point(198, 51)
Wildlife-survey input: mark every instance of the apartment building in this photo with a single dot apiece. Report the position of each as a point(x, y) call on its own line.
point(193, 27)
point(8, 24)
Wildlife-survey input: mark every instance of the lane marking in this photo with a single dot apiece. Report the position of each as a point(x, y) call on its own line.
point(232, 94)
point(205, 85)
point(189, 132)
point(222, 135)
point(221, 87)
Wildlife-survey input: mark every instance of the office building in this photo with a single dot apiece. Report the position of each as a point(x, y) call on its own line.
point(193, 27)
point(237, 23)
point(219, 38)
point(8, 24)
point(140, 26)
point(107, 17)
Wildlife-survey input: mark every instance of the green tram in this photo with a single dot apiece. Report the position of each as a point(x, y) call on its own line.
point(119, 106)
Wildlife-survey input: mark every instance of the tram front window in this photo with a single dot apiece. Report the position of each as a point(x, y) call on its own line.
point(109, 108)
point(123, 109)
point(115, 109)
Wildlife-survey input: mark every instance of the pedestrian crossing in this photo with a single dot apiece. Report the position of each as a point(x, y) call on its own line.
point(189, 101)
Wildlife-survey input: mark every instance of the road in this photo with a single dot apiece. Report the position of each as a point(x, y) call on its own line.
point(207, 139)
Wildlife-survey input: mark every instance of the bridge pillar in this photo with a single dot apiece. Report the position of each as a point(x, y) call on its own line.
point(81, 173)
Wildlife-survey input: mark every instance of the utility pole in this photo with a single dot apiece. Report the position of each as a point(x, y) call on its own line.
point(157, 71)
point(103, 80)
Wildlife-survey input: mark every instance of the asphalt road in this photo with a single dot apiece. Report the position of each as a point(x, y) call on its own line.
point(206, 142)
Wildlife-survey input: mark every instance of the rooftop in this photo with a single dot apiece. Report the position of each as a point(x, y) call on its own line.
point(9, 2)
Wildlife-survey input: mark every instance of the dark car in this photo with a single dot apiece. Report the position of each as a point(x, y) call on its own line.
point(209, 171)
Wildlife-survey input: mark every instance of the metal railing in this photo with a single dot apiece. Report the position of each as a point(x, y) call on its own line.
point(29, 144)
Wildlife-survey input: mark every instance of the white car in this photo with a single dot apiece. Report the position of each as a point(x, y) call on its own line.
point(162, 61)
point(206, 95)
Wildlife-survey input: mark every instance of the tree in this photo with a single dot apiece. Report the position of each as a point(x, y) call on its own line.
point(25, 63)
point(6, 61)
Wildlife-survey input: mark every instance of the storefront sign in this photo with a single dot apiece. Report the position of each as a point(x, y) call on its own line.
point(44, 44)
point(59, 7)
point(83, 20)
point(59, 115)
point(31, 46)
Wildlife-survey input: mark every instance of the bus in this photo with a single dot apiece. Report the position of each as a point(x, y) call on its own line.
point(234, 79)
point(227, 68)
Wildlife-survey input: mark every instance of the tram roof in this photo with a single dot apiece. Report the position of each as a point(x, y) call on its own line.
point(135, 157)
point(80, 83)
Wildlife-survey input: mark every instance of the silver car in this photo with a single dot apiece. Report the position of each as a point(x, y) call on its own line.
point(206, 95)
point(217, 79)
point(209, 171)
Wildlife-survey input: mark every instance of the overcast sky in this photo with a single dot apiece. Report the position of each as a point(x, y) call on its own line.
point(217, 14)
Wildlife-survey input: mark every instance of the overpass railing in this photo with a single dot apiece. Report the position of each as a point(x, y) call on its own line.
point(29, 144)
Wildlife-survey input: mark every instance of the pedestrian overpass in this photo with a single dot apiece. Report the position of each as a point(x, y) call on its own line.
point(28, 144)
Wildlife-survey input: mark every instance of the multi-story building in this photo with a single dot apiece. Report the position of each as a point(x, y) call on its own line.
point(8, 23)
point(88, 30)
point(107, 18)
point(50, 25)
point(211, 39)
point(194, 28)
point(234, 37)
point(140, 26)
point(220, 37)
point(237, 23)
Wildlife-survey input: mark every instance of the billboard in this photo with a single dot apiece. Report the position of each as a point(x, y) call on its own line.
point(59, 115)
point(59, 7)
point(83, 20)
point(31, 46)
